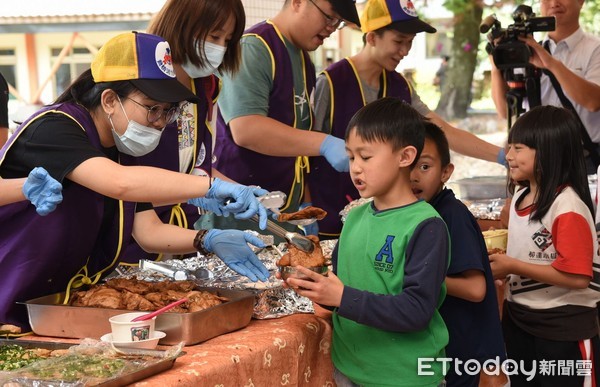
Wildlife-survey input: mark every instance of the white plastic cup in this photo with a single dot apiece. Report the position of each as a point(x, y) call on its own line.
point(124, 330)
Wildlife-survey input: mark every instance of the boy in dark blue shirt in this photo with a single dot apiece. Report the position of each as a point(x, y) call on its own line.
point(470, 310)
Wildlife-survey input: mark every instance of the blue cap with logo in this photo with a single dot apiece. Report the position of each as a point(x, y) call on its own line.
point(400, 15)
point(145, 60)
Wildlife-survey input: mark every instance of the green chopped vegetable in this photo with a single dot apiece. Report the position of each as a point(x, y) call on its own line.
point(14, 356)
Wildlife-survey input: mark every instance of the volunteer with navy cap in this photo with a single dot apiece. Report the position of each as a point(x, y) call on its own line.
point(389, 27)
point(117, 108)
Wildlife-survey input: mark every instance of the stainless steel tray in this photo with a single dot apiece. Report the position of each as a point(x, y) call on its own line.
point(49, 317)
point(162, 364)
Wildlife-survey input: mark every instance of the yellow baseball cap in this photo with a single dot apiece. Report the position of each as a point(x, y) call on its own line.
point(145, 60)
point(397, 14)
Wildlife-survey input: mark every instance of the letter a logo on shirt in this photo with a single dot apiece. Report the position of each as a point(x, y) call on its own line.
point(386, 250)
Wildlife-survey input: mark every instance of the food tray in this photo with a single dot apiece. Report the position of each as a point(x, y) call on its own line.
point(49, 317)
point(161, 363)
point(482, 187)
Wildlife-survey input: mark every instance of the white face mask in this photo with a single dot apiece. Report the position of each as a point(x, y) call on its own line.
point(214, 55)
point(138, 140)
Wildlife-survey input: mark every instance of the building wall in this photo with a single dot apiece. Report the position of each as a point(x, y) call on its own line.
point(340, 44)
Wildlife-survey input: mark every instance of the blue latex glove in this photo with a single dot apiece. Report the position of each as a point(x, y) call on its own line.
point(309, 229)
point(334, 150)
point(42, 191)
point(501, 157)
point(212, 205)
point(239, 200)
point(232, 247)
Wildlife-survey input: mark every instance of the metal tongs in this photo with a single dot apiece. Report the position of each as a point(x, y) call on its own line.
point(294, 238)
point(274, 200)
point(176, 273)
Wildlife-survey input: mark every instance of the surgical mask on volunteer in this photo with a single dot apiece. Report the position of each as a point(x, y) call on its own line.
point(137, 140)
point(214, 55)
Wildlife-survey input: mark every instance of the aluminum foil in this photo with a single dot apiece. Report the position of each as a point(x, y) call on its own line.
point(351, 205)
point(272, 299)
point(485, 208)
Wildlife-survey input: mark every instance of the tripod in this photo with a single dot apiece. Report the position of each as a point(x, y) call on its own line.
point(523, 84)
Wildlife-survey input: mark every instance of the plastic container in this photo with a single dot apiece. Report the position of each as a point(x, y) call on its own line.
point(496, 239)
point(149, 343)
point(124, 330)
point(482, 187)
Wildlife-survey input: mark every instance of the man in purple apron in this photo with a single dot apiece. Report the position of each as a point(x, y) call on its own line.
point(264, 129)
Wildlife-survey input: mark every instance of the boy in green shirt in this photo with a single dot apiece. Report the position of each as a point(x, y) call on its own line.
point(390, 262)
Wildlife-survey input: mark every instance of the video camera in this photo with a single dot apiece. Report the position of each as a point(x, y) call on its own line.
point(504, 44)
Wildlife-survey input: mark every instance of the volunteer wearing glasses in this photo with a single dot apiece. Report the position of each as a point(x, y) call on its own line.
point(205, 37)
point(265, 120)
point(157, 112)
point(335, 22)
point(80, 141)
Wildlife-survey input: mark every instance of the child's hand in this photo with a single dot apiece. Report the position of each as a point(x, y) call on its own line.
point(501, 265)
point(278, 276)
point(322, 290)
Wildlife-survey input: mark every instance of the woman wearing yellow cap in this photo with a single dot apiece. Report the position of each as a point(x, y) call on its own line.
point(116, 110)
point(205, 39)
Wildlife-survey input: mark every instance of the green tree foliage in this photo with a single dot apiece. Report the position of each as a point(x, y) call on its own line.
point(590, 16)
point(468, 46)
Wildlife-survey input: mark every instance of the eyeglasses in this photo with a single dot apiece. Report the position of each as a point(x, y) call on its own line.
point(156, 112)
point(337, 23)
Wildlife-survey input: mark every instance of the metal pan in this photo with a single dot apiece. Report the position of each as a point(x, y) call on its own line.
point(49, 317)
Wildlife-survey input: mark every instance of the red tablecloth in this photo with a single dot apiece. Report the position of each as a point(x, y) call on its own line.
point(292, 350)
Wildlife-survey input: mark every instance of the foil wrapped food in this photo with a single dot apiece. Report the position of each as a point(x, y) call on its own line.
point(272, 299)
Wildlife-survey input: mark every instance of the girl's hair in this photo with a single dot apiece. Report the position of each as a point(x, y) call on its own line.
point(87, 93)
point(186, 24)
point(389, 120)
point(554, 133)
point(436, 134)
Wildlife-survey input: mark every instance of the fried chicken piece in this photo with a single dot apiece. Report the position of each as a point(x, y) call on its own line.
point(8, 328)
point(132, 285)
point(305, 213)
point(99, 297)
point(496, 250)
point(156, 298)
point(180, 286)
point(203, 300)
point(295, 256)
point(134, 301)
point(152, 297)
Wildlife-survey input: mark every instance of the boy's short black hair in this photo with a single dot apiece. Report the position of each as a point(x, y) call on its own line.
point(437, 135)
point(389, 120)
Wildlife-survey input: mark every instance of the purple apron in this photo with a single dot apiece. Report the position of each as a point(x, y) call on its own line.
point(332, 190)
point(40, 255)
point(252, 168)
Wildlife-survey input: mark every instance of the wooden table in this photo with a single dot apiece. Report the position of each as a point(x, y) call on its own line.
point(288, 351)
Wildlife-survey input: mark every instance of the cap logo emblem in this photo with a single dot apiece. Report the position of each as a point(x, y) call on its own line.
point(164, 60)
point(408, 7)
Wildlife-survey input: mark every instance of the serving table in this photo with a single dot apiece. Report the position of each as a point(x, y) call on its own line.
point(292, 350)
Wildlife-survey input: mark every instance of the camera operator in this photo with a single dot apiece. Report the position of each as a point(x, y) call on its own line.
point(573, 57)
